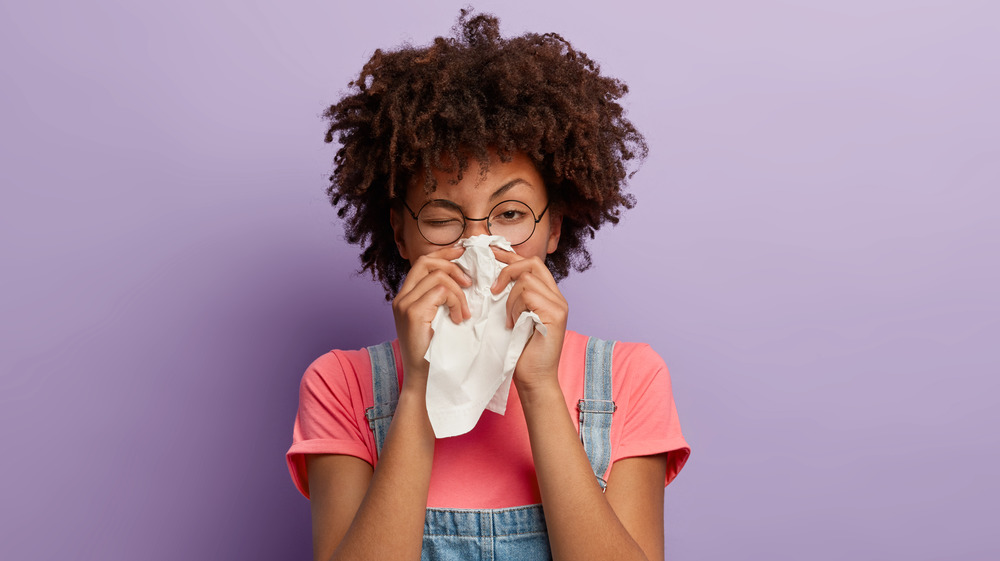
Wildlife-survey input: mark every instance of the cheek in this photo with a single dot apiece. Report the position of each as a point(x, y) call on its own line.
point(534, 247)
point(410, 242)
point(548, 238)
point(417, 245)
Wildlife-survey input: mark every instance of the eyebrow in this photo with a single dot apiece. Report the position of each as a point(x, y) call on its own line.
point(506, 187)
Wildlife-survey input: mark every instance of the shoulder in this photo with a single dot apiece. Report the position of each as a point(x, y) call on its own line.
point(634, 366)
point(340, 373)
point(335, 369)
point(337, 363)
point(333, 394)
point(637, 370)
point(640, 372)
point(343, 376)
point(627, 356)
point(637, 357)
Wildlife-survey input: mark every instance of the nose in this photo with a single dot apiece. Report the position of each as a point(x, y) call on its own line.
point(476, 227)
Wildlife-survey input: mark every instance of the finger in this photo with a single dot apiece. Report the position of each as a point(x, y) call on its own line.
point(531, 294)
point(426, 265)
point(514, 271)
point(515, 305)
point(526, 287)
point(446, 258)
point(505, 256)
point(509, 274)
point(438, 258)
point(541, 270)
point(426, 297)
point(449, 253)
point(457, 303)
point(458, 307)
point(423, 305)
point(547, 311)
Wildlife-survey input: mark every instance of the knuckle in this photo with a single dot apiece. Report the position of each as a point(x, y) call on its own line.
point(441, 293)
point(424, 262)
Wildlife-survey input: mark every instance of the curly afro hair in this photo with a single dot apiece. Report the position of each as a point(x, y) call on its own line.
point(414, 110)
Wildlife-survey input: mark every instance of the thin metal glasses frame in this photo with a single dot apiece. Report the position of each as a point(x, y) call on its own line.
point(466, 219)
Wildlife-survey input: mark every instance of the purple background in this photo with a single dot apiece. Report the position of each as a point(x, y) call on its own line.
point(812, 254)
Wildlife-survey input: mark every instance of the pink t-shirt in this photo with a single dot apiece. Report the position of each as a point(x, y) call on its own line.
point(491, 466)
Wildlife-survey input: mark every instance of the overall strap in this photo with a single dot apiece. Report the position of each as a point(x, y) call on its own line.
point(385, 388)
point(597, 407)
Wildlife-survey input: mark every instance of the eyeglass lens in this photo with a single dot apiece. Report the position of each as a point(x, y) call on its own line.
point(442, 223)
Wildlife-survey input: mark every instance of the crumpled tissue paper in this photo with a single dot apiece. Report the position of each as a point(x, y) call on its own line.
point(472, 363)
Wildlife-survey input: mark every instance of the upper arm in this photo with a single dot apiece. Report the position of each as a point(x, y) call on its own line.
point(635, 491)
point(337, 485)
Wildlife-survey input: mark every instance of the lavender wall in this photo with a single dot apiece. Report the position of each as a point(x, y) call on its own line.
point(813, 254)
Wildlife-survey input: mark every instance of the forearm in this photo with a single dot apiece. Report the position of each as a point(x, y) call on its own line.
point(389, 523)
point(580, 521)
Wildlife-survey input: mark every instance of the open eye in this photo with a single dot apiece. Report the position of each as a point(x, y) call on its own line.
point(511, 212)
point(511, 215)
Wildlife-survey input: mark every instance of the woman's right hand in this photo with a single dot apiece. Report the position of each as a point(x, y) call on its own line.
point(361, 512)
point(433, 281)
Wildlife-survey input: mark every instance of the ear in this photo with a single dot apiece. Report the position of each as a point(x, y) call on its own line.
point(396, 221)
point(555, 229)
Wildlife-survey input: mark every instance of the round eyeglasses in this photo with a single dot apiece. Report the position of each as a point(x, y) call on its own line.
point(442, 222)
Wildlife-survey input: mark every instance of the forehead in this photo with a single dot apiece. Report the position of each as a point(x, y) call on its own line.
point(519, 178)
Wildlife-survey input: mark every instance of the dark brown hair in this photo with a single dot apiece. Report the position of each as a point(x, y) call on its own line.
point(412, 110)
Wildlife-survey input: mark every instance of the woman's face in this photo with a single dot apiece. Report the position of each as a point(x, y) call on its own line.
point(477, 195)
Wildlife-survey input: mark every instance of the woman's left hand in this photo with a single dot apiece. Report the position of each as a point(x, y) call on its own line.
point(534, 290)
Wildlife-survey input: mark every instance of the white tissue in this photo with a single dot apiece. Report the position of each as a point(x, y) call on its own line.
point(472, 363)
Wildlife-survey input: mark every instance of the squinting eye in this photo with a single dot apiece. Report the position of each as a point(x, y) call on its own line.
point(444, 223)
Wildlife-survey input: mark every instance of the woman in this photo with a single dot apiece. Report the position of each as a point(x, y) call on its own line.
point(482, 135)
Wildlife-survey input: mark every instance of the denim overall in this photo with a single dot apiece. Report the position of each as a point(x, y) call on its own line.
point(515, 533)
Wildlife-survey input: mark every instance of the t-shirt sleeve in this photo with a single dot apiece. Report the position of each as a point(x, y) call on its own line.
point(651, 424)
point(330, 418)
